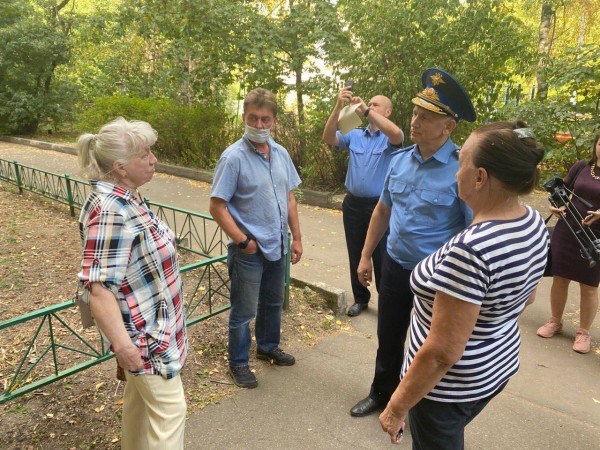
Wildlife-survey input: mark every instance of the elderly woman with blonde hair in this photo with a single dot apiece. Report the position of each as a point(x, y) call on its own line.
point(131, 270)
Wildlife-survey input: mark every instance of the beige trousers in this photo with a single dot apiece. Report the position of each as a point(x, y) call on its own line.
point(154, 411)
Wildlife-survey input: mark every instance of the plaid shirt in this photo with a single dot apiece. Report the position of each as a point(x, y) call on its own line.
point(132, 253)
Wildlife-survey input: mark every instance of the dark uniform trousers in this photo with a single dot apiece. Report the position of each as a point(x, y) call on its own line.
point(393, 320)
point(357, 213)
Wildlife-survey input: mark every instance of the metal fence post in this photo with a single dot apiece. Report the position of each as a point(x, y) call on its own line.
point(70, 195)
point(286, 298)
point(18, 176)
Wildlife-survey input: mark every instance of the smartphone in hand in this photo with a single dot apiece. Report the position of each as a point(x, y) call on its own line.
point(350, 84)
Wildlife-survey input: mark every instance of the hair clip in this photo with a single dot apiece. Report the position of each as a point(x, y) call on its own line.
point(523, 133)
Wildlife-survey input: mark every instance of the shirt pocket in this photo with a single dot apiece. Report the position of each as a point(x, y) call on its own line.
point(397, 189)
point(436, 198)
point(378, 150)
point(358, 157)
point(436, 206)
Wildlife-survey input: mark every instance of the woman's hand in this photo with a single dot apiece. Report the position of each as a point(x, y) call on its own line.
point(107, 314)
point(557, 212)
point(592, 217)
point(130, 358)
point(392, 424)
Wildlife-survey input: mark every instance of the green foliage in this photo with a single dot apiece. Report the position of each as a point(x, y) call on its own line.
point(318, 165)
point(33, 46)
point(479, 42)
point(572, 108)
point(181, 62)
point(192, 137)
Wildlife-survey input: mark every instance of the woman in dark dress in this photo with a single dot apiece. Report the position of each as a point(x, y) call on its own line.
point(567, 263)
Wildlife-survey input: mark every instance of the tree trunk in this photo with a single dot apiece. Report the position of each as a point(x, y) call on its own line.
point(300, 101)
point(581, 40)
point(544, 46)
point(299, 96)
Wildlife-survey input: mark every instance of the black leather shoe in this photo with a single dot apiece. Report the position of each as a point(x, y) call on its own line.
point(357, 308)
point(365, 407)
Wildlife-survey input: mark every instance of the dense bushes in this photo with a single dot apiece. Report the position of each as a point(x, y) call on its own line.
point(319, 166)
point(196, 137)
point(191, 137)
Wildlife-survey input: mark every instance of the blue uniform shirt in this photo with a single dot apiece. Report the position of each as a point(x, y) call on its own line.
point(256, 190)
point(426, 210)
point(370, 156)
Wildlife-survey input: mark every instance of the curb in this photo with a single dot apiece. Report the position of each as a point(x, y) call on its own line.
point(335, 297)
point(309, 196)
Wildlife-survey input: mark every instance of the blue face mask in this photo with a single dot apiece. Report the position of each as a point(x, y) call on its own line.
point(258, 135)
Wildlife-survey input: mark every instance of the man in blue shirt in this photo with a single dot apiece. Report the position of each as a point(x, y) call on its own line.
point(420, 204)
point(370, 151)
point(252, 201)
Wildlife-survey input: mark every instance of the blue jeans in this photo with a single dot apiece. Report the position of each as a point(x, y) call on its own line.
point(257, 290)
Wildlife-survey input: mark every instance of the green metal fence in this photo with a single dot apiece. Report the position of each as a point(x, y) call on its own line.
point(45, 344)
point(56, 330)
point(37, 334)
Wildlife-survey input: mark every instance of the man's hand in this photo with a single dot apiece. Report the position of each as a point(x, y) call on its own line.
point(362, 106)
point(345, 96)
point(252, 247)
point(365, 271)
point(295, 251)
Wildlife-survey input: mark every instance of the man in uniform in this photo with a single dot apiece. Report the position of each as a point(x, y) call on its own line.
point(370, 153)
point(252, 201)
point(420, 204)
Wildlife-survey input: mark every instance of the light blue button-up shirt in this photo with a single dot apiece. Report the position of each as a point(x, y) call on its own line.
point(256, 190)
point(370, 156)
point(426, 210)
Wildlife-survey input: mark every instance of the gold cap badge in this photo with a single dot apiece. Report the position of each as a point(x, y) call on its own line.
point(437, 78)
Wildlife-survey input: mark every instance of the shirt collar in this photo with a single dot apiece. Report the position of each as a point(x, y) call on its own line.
point(444, 152)
point(104, 187)
point(367, 131)
point(272, 145)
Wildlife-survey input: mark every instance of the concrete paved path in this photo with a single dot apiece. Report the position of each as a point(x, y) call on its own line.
point(554, 401)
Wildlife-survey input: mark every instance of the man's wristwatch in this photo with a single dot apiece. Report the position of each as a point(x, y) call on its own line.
point(366, 113)
point(242, 245)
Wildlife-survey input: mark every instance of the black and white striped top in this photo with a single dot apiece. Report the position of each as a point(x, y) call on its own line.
point(495, 264)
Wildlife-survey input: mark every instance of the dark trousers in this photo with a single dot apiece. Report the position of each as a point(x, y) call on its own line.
point(440, 425)
point(357, 213)
point(393, 319)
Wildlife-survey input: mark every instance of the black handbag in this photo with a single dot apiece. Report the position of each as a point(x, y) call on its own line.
point(548, 269)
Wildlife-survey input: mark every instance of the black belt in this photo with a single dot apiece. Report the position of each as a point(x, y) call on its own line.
point(362, 199)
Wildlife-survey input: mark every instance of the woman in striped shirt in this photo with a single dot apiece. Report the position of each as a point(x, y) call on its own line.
point(464, 338)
